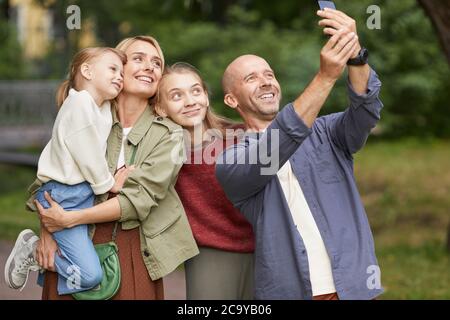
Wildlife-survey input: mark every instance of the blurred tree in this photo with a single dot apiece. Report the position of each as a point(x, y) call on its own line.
point(64, 42)
point(209, 34)
point(12, 64)
point(415, 74)
point(4, 9)
point(439, 13)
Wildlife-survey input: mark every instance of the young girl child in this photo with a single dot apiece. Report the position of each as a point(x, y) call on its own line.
point(72, 168)
point(224, 268)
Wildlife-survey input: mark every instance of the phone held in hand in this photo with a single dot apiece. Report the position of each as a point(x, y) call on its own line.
point(326, 4)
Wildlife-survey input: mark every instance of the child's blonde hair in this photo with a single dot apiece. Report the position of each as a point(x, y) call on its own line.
point(212, 120)
point(74, 76)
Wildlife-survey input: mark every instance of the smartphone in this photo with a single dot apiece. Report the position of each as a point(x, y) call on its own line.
point(326, 4)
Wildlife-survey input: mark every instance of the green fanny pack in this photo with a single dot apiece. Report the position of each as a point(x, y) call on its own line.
point(109, 261)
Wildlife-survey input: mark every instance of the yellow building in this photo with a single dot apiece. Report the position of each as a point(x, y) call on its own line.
point(34, 24)
point(34, 27)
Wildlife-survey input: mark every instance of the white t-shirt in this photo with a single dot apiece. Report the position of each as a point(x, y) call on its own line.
point(121, 161)
point(77, 148)
point(321, 276)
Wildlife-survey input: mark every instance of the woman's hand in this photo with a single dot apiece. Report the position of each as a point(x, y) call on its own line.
point(120, 177)
point(54, 218)
point(46, 249)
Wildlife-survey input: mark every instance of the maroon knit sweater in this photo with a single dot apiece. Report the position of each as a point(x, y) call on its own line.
point(213, 219)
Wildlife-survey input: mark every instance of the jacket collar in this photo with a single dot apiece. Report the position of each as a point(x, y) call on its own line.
point(141, 126)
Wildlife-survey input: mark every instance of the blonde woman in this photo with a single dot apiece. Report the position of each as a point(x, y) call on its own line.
point(154, 236)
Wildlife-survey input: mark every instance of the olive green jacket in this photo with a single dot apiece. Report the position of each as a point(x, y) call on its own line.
point(148, 199)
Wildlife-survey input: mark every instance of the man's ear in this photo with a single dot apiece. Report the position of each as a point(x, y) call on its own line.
point(86, 71)
point(160, 111)
point(230, 100)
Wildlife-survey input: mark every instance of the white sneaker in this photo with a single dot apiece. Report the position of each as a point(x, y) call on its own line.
point(21, 260)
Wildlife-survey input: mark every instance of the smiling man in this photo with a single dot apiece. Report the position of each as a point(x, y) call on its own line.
point(313, 239)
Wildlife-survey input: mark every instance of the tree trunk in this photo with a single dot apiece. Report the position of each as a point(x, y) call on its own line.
point(4, 11)
point(439, 13)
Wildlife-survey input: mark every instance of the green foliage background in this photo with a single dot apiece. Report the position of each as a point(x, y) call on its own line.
point(209, 34)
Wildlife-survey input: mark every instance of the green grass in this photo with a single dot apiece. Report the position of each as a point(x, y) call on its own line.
point(13, 194)
point(405, 187)
point(405, 182)
point(415, 272)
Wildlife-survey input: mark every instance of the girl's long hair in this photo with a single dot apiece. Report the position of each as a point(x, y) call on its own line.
point(74, 76)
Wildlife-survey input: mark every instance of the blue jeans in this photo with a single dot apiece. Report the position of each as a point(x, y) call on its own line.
point(78, 267)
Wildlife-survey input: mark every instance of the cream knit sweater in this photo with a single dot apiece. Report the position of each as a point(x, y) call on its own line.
point(76, 151)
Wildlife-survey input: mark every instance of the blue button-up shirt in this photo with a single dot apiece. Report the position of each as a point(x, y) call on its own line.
point(321, 159)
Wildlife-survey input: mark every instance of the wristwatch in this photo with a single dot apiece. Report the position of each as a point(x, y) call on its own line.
point(361, 59)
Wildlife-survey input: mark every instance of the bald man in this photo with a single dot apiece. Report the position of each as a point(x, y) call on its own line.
point(292, 173)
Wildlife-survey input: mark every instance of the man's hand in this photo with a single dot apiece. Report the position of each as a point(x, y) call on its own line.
point(46, 249)
point(335, 54)
point(333, 60)
point(334, 21)
point(54, 218)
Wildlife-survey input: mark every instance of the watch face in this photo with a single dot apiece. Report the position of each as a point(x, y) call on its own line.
point(364, 53)
point(361, 59)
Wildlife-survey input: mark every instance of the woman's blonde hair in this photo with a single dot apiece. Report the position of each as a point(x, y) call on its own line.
point(125, 43)
point(74, 76)
point(212, 120)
